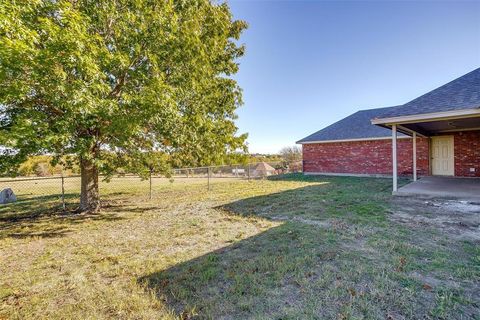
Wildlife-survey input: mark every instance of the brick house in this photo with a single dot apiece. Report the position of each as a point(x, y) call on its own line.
point(436, 134)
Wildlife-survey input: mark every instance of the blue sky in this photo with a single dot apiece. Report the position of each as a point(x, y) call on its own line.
point(311, 63)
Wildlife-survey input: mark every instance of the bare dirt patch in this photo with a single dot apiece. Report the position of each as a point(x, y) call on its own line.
point(458, 219)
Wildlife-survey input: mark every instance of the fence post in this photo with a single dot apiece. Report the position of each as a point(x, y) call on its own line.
point(63, 192)
point(208, 175)
point(248, 171)
point(150, 195)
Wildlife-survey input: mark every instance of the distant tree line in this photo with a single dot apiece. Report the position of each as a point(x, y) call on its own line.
point(159, 163)
point(44, 166)
point(47, 165)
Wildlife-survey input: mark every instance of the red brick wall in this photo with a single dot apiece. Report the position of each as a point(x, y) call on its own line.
point(466, 147)
point(375, 156)
point(365, 157)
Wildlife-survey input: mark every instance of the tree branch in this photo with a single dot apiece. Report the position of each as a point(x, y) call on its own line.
point(116, 91)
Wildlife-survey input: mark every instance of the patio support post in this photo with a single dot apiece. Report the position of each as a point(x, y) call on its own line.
point(414, 156)
point(394, 156)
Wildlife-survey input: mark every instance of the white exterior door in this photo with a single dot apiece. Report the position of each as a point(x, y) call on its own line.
point(442, 156)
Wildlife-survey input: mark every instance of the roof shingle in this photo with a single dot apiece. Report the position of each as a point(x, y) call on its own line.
point(461, 93)
point(355, 126)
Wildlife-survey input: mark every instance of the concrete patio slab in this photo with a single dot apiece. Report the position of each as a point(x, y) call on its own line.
point(443, 187)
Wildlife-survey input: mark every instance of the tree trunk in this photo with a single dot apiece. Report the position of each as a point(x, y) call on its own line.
point(89, 196)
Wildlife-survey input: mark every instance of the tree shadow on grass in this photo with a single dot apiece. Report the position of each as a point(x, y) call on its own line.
point(265, 276)
point(294, 270)
point(34, 206)
point(44, 216)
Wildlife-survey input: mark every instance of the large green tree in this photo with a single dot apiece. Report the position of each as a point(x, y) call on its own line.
point(117, 81)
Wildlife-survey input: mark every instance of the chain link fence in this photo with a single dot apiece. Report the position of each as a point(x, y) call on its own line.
point(65, 190)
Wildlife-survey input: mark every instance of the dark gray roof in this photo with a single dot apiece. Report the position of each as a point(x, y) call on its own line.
point(355, 126)
point(461, 93)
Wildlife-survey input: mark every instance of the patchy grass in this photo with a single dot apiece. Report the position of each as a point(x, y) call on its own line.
point(292, 247)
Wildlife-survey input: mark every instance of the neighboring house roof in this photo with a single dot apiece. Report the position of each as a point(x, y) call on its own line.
point(461, 93)
point(356, 126)
point(263, 166)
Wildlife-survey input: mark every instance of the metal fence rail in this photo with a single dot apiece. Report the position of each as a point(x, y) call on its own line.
point(65, 190)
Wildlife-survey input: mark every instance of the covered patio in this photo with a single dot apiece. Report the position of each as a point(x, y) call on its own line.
point(453, 152)
point(447, 123)
point(467, 189)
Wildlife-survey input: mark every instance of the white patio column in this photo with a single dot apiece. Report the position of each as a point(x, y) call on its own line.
point(414, 156)
point(394, 157)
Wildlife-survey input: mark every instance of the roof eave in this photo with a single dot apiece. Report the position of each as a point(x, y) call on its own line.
point(428, 117)
point(350, 140)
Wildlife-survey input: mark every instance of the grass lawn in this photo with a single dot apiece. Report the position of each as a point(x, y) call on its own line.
point(292, 247)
